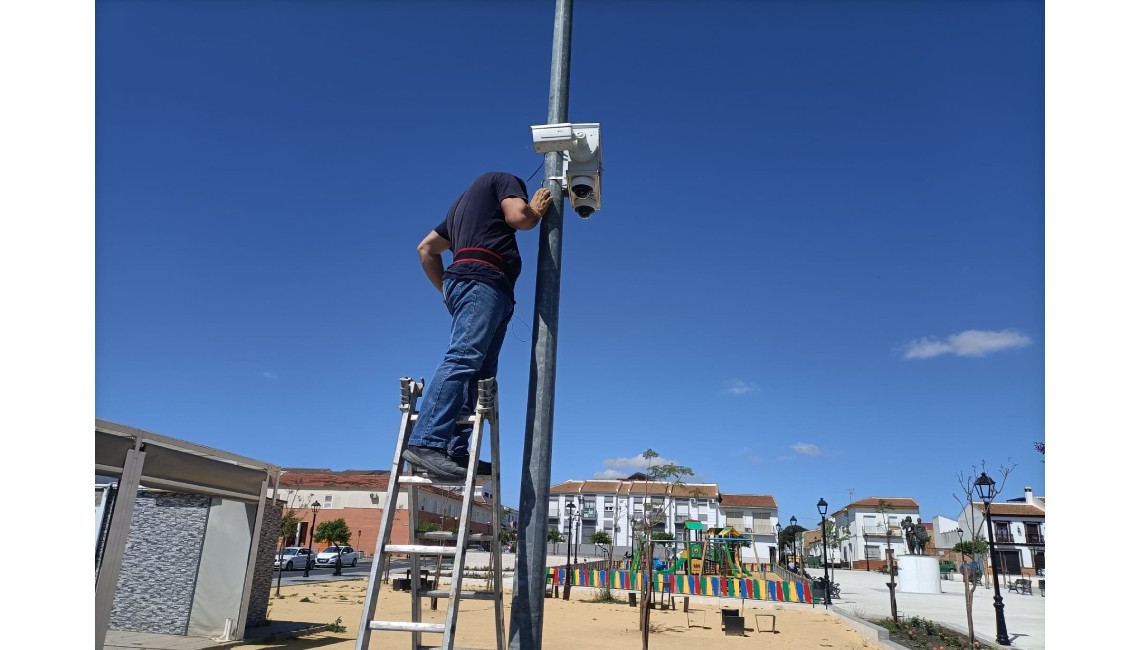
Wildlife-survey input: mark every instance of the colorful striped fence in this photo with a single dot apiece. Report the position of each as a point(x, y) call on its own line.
point(686, 585)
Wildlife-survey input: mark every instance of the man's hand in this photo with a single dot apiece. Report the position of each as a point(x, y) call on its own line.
point(541, 201)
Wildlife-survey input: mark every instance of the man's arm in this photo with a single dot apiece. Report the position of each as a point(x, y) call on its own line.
point(431, 257)
point(521, 215)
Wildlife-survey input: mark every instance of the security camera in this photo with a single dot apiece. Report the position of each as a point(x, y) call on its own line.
point(548, 138)
point(581, 164)
point(581, 186)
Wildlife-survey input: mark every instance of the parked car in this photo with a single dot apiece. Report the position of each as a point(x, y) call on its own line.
point(293, 557)
point(348, 557)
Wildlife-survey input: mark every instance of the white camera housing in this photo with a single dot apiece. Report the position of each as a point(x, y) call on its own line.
point(582, 165)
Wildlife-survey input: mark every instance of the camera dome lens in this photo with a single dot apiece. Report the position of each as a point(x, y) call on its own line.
point(584, 211)
point(581, 191)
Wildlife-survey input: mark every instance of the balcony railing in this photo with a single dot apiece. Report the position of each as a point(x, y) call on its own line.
point(1003, 537)
point(1035, 538)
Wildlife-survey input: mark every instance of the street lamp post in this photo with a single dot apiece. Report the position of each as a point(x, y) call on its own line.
point(795, 553)
point(569, 521)
point(779, 548)
point(822, 506)
point(984, 486)
point(577, 532)
point(315, 507)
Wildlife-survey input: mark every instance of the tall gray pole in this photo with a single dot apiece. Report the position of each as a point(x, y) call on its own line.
point(530, 568)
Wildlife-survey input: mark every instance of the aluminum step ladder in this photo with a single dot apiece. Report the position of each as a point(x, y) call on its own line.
point(403, 478)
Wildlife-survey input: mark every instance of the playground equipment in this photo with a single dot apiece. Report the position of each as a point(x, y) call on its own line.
point(711, 552)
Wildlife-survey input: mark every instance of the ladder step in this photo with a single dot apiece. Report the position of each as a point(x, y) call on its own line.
point(451, 535)
point(439, 647)
point(472, 595)
point(462, 419)
point(414, 479)
point(406, 626)
point(422, 549)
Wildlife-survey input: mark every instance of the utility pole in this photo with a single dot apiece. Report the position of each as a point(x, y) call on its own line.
point(853, 525)
point(530, 572)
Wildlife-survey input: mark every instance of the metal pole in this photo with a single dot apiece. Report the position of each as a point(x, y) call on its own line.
point(309, 557)
point(999, 606)
point(530, 573)
point(826, 576)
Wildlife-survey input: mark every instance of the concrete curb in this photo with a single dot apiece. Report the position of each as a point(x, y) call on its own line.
point(873, 633)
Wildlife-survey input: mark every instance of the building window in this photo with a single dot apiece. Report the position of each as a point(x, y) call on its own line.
point(873, 553)
point(328, 501)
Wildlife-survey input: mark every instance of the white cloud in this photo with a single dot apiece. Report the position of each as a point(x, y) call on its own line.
point(610, 474)
point(739, 387)
point(970, 343)
point(806, 449)
point(269, 375)
point(623, 467)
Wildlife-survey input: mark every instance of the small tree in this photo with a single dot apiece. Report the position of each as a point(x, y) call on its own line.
point(554, 535)
point(674, 476)
point(835, 536)
point(289, 525)
point(334, 532)
point(603, 539)
point(975, 523)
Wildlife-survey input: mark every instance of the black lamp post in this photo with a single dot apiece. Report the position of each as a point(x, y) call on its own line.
point(315, 507)
point(984, 486)
point(779, 547)
point(822, 506)
point(577, 532)
point(569, 521)
point(795, 553)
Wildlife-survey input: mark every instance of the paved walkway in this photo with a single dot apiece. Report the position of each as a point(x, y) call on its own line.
point(865, 595)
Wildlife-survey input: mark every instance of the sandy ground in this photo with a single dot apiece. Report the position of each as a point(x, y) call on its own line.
point(567, 625)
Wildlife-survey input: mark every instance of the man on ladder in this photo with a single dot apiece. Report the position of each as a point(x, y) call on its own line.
point(478, 290)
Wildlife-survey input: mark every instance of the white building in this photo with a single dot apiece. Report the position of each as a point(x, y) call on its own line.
point(618, 507)
point(1019, 532)
point(867, 533)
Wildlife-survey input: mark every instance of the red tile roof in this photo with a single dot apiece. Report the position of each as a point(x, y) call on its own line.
point(328, 479)
point(623, 487)
point(747, 501)
point(1010, 509)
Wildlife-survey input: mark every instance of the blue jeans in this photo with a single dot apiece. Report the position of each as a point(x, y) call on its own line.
point(480, 314)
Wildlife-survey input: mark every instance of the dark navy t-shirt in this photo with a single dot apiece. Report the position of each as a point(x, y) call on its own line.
point(476, 220)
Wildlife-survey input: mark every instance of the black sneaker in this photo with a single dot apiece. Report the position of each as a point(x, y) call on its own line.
point(435, 462)
point(484, 468)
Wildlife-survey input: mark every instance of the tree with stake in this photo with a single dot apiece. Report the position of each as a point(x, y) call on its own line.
point(672, 475)
point(976, 545)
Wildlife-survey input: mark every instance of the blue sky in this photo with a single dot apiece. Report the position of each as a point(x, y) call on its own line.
point(819, 265)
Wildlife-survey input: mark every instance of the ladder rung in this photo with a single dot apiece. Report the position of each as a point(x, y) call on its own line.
point(439, 647)
point(406, 626)
point(424, 480)
point(463, 419)
point(451, 535)
point(420, 549)
point(473, 595)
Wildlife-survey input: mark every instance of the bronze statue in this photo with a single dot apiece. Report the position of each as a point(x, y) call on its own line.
point(921, 537)
point(911, 538)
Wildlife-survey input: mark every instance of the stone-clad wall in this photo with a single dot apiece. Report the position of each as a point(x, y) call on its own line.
point(263, 573)
point(160, 563)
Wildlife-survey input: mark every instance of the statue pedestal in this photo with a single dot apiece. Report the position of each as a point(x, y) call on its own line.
point(918, 574)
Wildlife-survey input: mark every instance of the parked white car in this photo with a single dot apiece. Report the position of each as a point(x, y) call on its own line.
point(348, 557)
point(293, 557)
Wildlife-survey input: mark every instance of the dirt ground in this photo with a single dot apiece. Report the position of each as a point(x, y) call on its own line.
point(567, 625)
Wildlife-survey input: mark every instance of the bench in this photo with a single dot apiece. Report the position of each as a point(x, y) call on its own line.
point(1021, 586)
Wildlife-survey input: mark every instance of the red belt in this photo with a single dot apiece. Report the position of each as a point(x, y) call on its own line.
point(479, 256)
